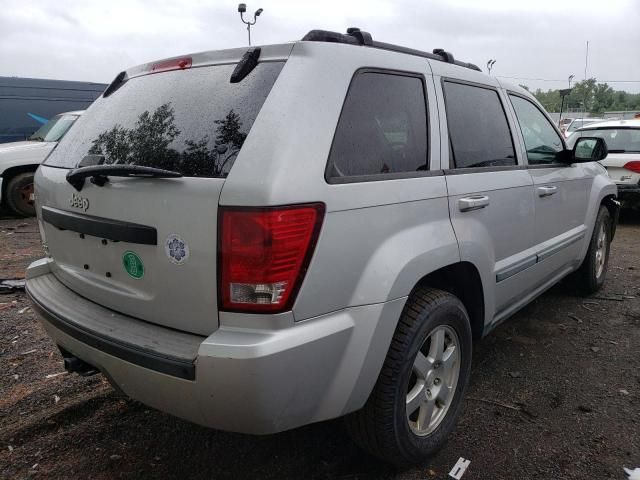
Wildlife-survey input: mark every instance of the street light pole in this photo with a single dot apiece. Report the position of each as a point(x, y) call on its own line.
point(242, 8)
point(570, 78)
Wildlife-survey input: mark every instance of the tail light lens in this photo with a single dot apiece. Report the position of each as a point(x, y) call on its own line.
point(173, 64)
point(634, 166)
point(264, 254)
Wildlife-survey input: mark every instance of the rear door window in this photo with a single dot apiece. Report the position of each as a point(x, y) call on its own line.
point(191, 121)
point(479, 134)
point(382, 129)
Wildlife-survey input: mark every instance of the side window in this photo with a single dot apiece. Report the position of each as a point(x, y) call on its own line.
point(479, 134)
point(382, 129)
point(540, 138)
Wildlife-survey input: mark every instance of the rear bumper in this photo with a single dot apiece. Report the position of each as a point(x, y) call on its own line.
point(246, 380)
point(629, 195)
point(628, 189)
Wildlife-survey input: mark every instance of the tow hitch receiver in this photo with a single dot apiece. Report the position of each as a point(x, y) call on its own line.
point(73, 364)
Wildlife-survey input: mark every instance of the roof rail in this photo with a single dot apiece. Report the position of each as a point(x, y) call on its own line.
point(355, 36)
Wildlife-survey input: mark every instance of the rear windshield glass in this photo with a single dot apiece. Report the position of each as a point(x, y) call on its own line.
point(189, 121)
point(623, 140)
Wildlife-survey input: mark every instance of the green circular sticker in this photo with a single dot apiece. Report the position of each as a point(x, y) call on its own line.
point(133, 264)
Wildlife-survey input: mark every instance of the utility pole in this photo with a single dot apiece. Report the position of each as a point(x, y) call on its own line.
point(242, 8)
point(490, 65)
point(586, 64)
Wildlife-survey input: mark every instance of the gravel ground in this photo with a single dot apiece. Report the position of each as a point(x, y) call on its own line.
point(554, 394)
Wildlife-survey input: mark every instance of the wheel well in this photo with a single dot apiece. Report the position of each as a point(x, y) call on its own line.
point(614, 210)
point(9, 173)
point(462, 280)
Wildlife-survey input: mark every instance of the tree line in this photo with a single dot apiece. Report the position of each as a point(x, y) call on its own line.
point(590, 96)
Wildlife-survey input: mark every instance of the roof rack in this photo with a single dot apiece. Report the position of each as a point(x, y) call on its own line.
point(355, 36)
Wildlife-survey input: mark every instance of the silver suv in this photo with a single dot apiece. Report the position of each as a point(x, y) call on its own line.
point(259, 239)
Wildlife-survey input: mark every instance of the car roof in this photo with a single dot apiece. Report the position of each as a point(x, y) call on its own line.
point(273, 52)
point(589, 119)
point(612, 124)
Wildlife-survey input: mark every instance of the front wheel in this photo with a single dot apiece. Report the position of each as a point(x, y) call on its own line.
point(416, 401)
point(20, 195)
point(593, 270)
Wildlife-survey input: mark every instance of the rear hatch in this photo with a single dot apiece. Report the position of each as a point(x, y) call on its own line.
point(623, 168)
point(146, 246)
point(623, 141)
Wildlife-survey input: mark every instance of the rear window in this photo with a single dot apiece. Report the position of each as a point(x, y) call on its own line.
point(382, 129)
point(618, 140)
point(191, 121)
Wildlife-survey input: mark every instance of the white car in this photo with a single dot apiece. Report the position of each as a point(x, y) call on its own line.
point(19, 161)
point(577, 123)
point(623, 162)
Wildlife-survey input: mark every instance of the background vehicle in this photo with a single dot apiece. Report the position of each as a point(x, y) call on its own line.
point(564, 123)
point(577, 123)
point(19, 161)
point(623, 162)
point(28, 103)
point(368, 209)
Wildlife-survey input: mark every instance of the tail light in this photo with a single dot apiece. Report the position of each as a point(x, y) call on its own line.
point(634, 166)
point(264, 254)
point(173, 64)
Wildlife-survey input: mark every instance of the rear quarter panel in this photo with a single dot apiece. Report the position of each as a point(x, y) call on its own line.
point(379, 237)
point(601, 187)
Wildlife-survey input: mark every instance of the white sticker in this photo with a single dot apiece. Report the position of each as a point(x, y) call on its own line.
point(459, 468)
point(176, 249)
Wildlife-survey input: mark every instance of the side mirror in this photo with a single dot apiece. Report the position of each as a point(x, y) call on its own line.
point(589, 149)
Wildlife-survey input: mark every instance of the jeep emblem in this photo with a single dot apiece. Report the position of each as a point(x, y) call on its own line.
point(76, 201)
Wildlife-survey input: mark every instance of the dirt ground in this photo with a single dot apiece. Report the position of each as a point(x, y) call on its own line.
point(554, 394)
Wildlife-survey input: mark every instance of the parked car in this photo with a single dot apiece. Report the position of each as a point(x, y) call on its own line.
point(28, 103)
point(292, 233)
point(577, 123)
point(623, 162)
point(19, 161)
point(564, 123)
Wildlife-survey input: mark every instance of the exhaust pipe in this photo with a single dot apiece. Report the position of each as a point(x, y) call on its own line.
point(73, 364)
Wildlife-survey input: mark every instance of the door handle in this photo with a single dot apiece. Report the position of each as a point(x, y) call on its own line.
point(546, 191)
point(474, 202)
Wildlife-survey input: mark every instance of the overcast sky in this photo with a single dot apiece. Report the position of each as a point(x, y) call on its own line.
point(93, 40)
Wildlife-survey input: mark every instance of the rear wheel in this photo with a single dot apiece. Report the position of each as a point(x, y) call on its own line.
point(593, 270)
point(416, 401)
point(20, 194)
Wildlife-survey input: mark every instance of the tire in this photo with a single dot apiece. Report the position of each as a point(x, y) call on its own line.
point(383, 427)
point(593, 271)
point(19, 195)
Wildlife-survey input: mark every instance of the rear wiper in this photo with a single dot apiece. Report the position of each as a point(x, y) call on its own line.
point(99, 173)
